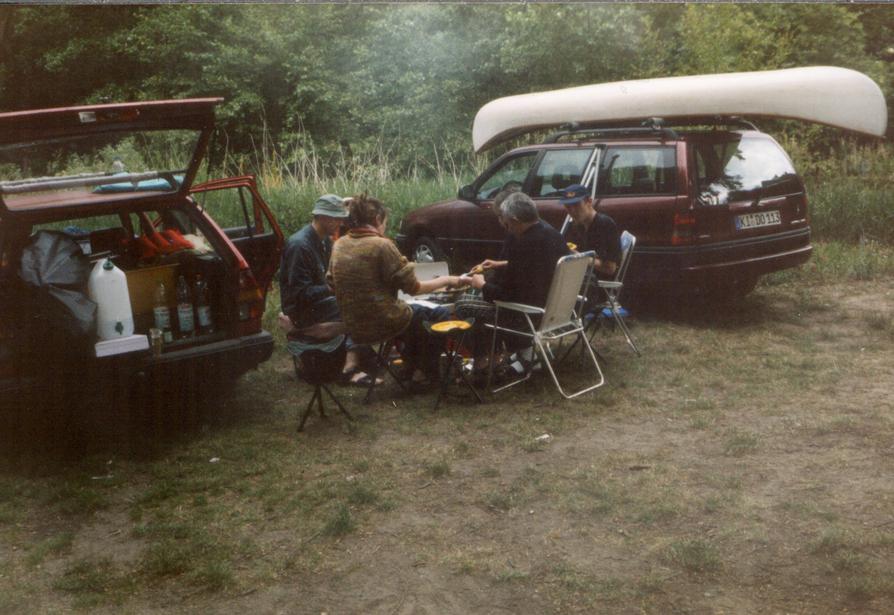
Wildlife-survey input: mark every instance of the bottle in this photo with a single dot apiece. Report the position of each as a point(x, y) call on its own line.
point(203, 309)
point(185, 319)
point(162, 312)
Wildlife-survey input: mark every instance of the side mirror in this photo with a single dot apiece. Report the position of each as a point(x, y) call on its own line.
point(467, 193)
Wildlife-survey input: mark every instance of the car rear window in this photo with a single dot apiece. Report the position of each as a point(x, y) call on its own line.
point(737, 167)
point(77, 167)
point(637, 171)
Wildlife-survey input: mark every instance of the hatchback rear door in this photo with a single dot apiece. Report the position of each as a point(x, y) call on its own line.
point(247, 221)
point(746, 187)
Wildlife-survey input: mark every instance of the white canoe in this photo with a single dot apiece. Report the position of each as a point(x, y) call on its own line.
point(829, 95)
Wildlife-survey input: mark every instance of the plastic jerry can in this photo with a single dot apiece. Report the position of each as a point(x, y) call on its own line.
point(107, 287)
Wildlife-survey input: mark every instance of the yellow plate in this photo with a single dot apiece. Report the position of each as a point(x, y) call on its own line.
point(450, 325)
point(572, 246)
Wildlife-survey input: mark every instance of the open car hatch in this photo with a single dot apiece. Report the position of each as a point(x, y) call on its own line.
point(82, 157)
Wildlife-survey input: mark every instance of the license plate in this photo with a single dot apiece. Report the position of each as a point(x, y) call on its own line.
point(763, 218)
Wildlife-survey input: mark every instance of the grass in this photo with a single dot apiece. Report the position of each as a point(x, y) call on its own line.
point(340, 522)
point(834, 261)
point(54, 545)
point(693, 555)
point(93, 582)
point(850, 201)
point(740, 437)
point(738, 443)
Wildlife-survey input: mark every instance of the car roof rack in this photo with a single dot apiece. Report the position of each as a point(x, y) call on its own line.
point(653, 126)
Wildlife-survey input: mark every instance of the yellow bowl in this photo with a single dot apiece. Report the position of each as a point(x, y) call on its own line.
point(450, 325)
point(572, 246)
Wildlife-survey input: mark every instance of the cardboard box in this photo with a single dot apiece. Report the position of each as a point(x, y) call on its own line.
point(141, 285)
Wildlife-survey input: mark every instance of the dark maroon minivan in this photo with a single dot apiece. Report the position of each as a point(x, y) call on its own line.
point(712, 209)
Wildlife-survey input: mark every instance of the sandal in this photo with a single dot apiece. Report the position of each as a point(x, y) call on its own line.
point(348, 378)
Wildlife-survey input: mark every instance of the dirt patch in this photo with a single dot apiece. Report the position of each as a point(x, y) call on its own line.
point(742, 465)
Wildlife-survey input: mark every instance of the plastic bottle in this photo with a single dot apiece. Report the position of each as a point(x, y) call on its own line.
point(203, 308)
point(107, 288)
point(162, 312)
point(185, 318)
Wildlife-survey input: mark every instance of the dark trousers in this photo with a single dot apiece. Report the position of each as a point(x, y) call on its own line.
point(421, 350)
point(482, 337)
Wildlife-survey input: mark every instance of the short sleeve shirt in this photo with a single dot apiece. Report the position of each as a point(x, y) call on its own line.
point(602, 237)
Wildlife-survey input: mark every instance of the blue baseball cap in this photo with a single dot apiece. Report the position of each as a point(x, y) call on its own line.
point(574, 194)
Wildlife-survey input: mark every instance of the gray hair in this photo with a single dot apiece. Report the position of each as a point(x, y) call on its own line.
point(510, 188)
point(519, 207)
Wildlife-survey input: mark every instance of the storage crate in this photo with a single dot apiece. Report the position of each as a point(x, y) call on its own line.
point(141, 285)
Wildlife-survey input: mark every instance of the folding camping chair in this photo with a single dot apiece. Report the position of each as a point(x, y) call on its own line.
point(558, 319)
point(612, 288)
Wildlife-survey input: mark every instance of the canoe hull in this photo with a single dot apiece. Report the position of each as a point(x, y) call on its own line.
point(829, 95)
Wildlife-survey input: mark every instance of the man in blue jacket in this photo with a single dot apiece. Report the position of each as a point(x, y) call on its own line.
point(306, 298)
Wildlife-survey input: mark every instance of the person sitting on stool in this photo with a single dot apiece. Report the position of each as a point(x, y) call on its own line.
point(306, 298)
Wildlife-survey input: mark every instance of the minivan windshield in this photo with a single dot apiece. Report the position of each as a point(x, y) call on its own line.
point(78, 166)
point(736, 167)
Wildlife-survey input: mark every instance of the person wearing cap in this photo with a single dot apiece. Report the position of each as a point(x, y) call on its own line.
point(306, 298)
point(591, 230)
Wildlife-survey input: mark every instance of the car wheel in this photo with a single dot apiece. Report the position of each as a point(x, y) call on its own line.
point(427, 250)
point(730, 291)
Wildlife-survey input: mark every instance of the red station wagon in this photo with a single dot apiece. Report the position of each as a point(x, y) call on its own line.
point(115, 181)
point(712, 209)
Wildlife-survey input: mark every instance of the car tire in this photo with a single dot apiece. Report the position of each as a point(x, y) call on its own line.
point(730, 291)
point(427, 250)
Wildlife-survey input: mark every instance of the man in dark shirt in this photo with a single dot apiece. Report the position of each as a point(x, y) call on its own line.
point(591, 230)
point(306, 298)
point(524, 272)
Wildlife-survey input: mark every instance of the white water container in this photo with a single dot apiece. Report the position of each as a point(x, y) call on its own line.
point(108, 289)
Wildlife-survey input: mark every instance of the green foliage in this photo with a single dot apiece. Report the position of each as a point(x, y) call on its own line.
point(848, 189)
point(344, 82)
point(337, 98)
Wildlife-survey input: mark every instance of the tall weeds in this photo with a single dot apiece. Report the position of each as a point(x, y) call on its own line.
point(849, 186)
point(294, 174)
point(850, 190)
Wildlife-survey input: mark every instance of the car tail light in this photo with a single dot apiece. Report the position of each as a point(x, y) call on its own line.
point(249, 303)
point(684, 229)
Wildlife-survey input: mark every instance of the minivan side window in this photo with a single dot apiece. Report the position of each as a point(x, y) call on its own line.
point(637, 171)
point(514, 169)
point(741, 167)
point(559, 169)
